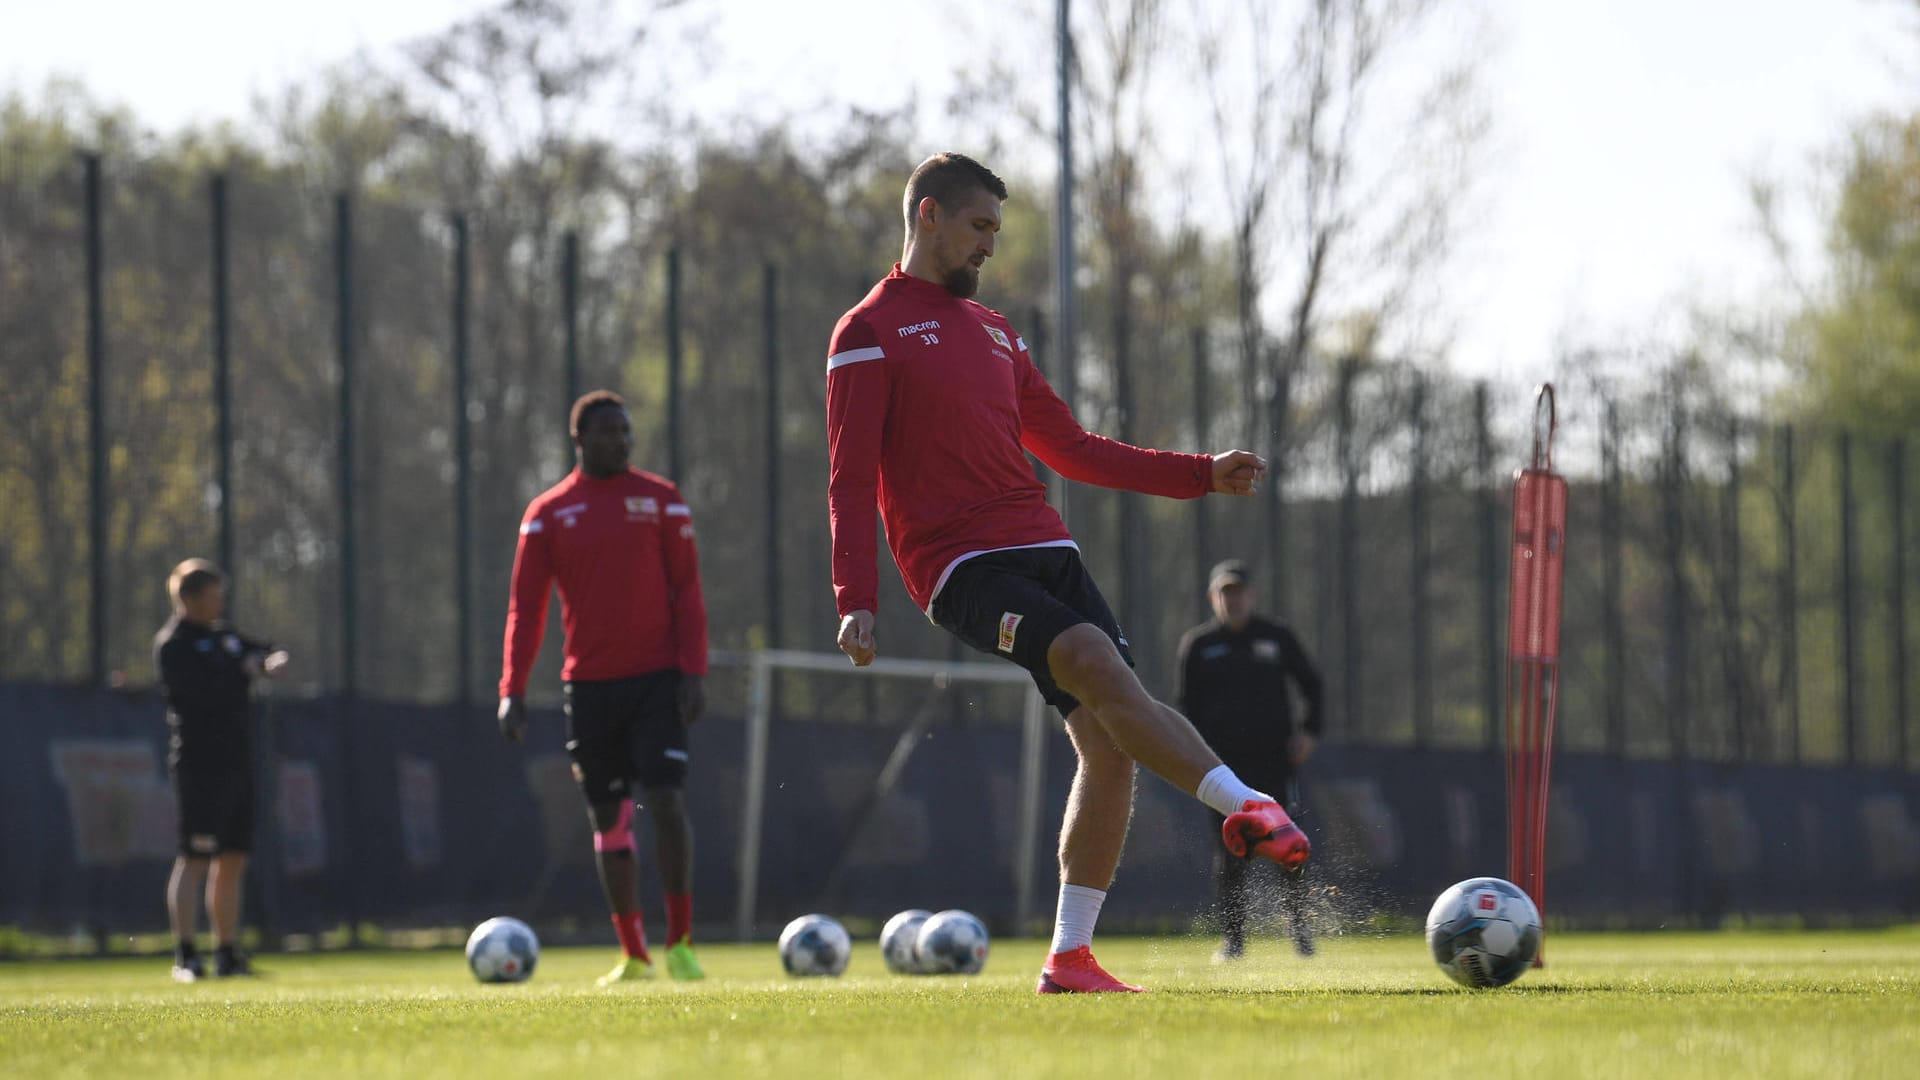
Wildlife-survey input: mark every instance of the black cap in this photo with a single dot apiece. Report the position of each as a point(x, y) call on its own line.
point(1228, 572)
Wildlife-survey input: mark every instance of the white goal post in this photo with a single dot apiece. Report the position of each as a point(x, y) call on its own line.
point(761, 667)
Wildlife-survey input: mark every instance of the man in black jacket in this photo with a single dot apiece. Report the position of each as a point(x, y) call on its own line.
point(206, 671)
point(1235, 674)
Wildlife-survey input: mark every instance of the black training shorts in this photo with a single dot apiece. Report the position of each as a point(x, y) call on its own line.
point(216, 808)
point(623, 732)
point(1012, 604)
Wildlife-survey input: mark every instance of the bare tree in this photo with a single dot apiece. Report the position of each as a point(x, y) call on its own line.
point(1113, 80)
point(1342, 201)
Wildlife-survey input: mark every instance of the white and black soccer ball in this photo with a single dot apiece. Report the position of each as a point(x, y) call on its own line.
point(1484, 932)
point(815, 945)
point(898, 938)
point(502, 950)
point(951, 943)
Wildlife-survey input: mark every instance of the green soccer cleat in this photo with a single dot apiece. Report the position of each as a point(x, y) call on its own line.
point(629, 969)
point(681, 963)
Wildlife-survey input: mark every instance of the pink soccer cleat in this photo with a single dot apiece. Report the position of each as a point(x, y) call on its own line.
point(1077, 972)
point(1264, 829)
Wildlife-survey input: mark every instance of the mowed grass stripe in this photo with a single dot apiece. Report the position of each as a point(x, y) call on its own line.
point(1772, 1004)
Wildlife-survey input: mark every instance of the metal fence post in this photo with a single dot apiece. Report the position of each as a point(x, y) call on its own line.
point(770, 316)
point(1673, 537)
point(1612, 579)
point(1789, 597)
point(223, 385)
point(343, 343)
point(1897, 515)
point(96, 430)
point(1849, 666)
point(1678, 659)
point(1492, 674)
point(344, 711)
point(463, 471)
point(1344, 555)
point(1733, 654)
point(1419, 570)
point(1202, 535)
point(570, 321)
point(1276, 497)
point(1066, 265)
point(674, 471)
point(1136, 593)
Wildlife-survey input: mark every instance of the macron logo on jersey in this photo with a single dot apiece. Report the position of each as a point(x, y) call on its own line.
point(918, 328)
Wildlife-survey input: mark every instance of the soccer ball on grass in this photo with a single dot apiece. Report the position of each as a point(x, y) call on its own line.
point(951, 943)
point(898, 938)
point(502, 950)
point(1484, 932)
point(815, 945)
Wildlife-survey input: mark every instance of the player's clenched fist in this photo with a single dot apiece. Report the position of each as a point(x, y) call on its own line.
point(856, 637)
point(1236, 472)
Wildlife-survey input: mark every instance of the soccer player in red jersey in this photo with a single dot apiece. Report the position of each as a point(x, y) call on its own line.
point(619, 544)
point(932, 405)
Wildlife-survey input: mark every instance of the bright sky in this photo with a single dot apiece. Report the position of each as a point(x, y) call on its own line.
point(1625, 130)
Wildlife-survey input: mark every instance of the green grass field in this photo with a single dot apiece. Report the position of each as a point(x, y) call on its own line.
point(1821, 1004)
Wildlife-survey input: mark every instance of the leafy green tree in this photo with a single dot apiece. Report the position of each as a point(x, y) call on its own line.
point(1859, 345)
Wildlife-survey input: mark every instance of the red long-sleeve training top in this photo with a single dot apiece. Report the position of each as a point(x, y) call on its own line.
point(930, 400)
point(621, 549)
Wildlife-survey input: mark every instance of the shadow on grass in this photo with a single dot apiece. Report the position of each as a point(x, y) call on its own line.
point(1550, 990)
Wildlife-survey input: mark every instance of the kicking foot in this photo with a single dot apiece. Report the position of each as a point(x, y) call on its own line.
point(1229, 951)
point(629, 969)
point(1303, 941)
point(189, 969)
point(1077, 972)
point(681, 963)
point(1264, 829)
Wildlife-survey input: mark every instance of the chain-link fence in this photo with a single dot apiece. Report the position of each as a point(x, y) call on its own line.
point(349, 398)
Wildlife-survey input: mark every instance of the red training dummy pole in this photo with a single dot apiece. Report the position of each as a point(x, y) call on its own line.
point(1533, 654)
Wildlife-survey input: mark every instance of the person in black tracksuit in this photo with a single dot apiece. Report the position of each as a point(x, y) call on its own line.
point(1235, 672)
point(206, 672)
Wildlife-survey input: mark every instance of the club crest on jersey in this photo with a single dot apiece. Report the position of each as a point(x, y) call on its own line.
point(999, 337)
point(1009, 626)
point(642, 507)
point(1267, 651)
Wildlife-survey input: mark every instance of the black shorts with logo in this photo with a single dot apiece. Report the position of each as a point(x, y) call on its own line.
point(1012, 604)
point(216, 808)
point(623, 732)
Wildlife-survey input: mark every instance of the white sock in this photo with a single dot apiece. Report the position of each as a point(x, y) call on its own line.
point(1225, 792)
point(1079, 910)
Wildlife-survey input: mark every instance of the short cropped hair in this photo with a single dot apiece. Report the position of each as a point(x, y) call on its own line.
point(588, 402)
point(193, 577)
point(945, 178)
